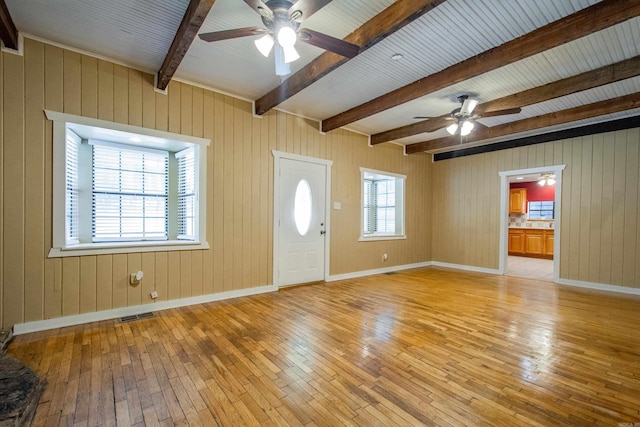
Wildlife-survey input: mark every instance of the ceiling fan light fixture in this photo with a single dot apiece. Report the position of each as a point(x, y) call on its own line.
point(286, 37)
point(551, 181)
point(290, 54)
point(468, 105)
point(452, 128)
point(466, 128)
point(265, 44)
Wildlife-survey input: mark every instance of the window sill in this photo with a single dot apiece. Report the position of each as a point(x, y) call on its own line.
point(126, 247)
point(382, 237)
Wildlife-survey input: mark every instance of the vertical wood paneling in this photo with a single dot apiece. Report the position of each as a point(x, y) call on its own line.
point(135, 97)
point(13, 188)
point(630, 242)
point(196, 273)
point(70, 286)
point(162, 276)
point(134, 293)
point(89, 85)
point(120, 94)
point(120, 279)
point(149, 281)
point(148, 102)
point(88, 284)
point(185, 274)
point(104, 282)
point(105, 90)
point(595, 226)
point(173, 275)
point(34, 181)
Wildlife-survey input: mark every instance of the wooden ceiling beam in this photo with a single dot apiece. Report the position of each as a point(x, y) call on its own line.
point(195, 15)
point(582, 112)
point(582, 23)
point(396, 16)
point(588, 80)
point(8, 30)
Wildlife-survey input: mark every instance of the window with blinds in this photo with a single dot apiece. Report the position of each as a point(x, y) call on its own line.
point(187, 195)
point(382, 204)
point(123, 189)
point(130, 193)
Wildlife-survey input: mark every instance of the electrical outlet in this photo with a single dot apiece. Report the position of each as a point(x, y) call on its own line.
point(154, 294)
point(385, 257)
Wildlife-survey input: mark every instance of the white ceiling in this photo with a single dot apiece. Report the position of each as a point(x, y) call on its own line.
point(139, 33)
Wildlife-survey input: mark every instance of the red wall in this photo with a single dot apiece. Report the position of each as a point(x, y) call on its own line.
point(535, 192)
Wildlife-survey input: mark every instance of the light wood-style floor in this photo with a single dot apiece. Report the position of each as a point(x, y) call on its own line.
point(427, 346)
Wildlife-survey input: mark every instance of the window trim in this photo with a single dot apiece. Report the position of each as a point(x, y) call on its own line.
point(400, 210)
point(59, 246)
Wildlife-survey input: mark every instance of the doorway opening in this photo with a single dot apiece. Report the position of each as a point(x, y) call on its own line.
point(530, 222)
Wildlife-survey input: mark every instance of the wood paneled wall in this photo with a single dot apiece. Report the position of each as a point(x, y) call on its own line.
point(600, 231)
point(240, 188)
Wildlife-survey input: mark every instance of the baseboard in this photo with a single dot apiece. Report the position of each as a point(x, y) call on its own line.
point(364, 273)
point(61, 322)
point(599, 286)
point(465, 267)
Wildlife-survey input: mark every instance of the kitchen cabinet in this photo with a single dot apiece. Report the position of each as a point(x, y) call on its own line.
point(534, 242)
point(516, 241)
point(518, 200)
point(531, 242)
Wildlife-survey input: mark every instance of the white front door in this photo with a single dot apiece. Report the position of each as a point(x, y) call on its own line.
point(300, 221)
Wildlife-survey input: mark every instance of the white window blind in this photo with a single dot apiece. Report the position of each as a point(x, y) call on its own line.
point(187, 193)
point(379, 209)
point(130, 193)
point(385, 206)
point(71, 188)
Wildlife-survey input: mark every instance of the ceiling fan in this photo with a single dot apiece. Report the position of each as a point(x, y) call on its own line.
point(463, 117)
point(282, 19)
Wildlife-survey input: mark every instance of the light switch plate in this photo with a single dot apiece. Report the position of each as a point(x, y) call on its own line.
point(337, 205)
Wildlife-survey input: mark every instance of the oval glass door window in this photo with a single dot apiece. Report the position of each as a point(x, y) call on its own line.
point(302, 207)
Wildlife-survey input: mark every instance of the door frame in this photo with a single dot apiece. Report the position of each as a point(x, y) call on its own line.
point(277, 156)
point(504, 214)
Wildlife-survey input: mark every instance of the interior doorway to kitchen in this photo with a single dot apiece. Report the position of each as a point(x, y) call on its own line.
point(530, 225)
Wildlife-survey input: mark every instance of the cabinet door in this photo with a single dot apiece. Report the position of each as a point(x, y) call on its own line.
point(534, 243)
point(516, 243)
point(518, 200)
point(548, 244)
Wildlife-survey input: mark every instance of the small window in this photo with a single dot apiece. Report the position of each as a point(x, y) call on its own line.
point(302, 207)
point(382, 205)
point(541, 210)
point(121, 188)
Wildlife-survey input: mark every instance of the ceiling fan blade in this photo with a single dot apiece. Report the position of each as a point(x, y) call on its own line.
point(232, 34)
point(500, 112)
point(302, 9)
point(435, 123)
point(260, 7)
point(329, 43)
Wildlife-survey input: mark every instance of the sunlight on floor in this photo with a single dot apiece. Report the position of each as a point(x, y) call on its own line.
point(531, 268)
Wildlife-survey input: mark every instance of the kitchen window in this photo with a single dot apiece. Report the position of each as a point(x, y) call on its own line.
point(382, 205)
point(121, 188)
point(541, 210)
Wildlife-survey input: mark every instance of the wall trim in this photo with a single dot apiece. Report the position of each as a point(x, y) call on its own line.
point(599, 286)
point(79, 319)
point(356, 274)
point(466, 267)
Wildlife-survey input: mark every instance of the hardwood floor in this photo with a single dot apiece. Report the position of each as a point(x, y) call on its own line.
point(427, 346)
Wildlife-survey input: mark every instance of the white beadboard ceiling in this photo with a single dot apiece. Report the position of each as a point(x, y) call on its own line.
point(139, 33)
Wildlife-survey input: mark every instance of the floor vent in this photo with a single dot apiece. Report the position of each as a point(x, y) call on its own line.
point(133, 317)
